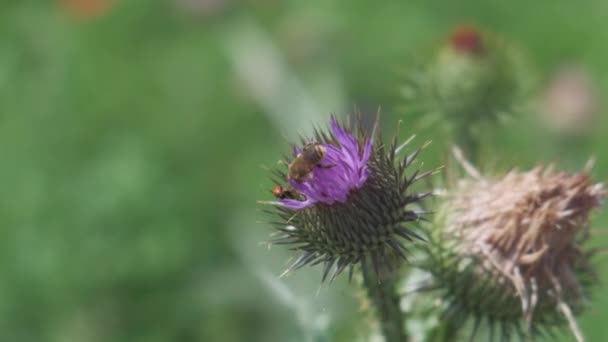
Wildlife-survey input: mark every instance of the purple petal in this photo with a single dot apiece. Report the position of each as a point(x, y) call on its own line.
point(343, 169)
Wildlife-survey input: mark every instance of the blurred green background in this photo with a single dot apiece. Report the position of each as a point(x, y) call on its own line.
point(134, 137)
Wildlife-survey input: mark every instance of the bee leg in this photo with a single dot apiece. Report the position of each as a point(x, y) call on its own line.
point(326, 166)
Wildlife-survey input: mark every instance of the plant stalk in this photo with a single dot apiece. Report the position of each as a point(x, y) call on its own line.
point(382, 292)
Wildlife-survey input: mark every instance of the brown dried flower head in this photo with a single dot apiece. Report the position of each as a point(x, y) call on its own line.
point(525, 231)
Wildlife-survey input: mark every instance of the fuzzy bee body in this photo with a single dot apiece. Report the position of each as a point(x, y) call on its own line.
point(282, 193)
point(301, 167)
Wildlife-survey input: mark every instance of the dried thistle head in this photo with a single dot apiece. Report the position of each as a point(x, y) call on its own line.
point(355, 206)
point(509, 249)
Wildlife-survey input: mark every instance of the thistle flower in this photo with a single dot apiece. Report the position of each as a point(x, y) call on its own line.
point(355, 205)
point(467, 39)
point(509, 250)
point(346, 170)
point(472, 78)
point(86, 9)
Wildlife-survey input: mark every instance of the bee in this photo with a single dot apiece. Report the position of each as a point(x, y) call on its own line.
point(311, 156)
point(281, 193)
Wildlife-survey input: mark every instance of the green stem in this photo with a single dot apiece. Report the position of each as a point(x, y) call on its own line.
point(382, 292)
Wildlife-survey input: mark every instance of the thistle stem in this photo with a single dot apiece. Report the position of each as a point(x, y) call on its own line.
point(382, 292)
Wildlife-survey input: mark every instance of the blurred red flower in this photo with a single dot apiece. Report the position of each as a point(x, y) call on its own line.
point(467, 39)
point(86, 9)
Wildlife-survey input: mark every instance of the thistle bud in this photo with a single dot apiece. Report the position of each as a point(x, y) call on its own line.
point(509, 250)
point(467, 40)
point(86, 9)
point(472, 77)
point(353, 206)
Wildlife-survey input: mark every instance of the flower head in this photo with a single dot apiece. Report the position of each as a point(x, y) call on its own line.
point(342, 170)
point(511, 248)
point(473, 78)
point(569, 105)
point(354, 204)
point(467, 39)
point(86, 9)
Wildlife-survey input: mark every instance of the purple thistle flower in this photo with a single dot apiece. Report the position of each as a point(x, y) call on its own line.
point(344, 168)
point(353, 207)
